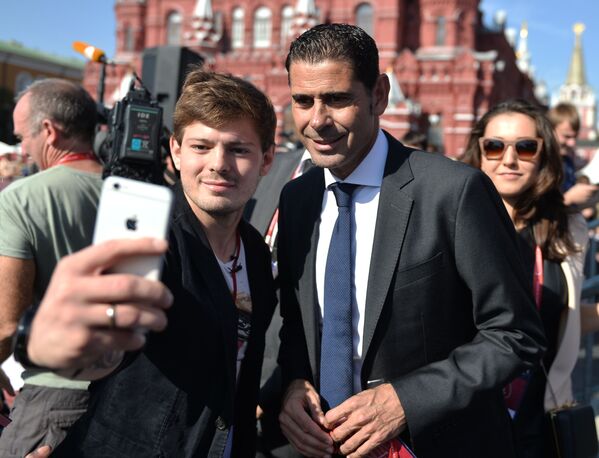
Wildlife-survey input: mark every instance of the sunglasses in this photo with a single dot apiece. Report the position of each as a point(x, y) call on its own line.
point(527, 148)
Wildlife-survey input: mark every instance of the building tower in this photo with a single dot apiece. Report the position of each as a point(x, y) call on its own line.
point(206, 33)
point(305, 17)
point(577, 92)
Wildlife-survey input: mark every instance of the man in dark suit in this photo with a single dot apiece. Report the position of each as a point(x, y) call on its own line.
point(438, 310)
point(261, 208)
point(192, 390)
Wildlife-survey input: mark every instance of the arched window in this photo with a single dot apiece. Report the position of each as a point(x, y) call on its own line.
point(286, 20)
point(440, 35)
point(129, 44)
point(262, 27)
point(173, 28)
point(238, 28)
point(364, 18)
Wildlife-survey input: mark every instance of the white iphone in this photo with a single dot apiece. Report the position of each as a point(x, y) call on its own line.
point(133, 209)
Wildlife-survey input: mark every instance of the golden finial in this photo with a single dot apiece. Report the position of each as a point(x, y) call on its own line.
point(578, 28)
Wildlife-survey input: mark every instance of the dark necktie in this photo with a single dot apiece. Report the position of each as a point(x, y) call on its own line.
point(336, 354)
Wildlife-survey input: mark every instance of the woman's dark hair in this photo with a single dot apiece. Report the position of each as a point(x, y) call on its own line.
point(541, 207)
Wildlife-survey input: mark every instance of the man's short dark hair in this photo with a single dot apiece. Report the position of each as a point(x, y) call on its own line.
point(65, 103)
point(338, 42)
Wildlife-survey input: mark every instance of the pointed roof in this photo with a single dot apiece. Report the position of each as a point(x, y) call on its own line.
point(206, 34)
point(576, 73)
point(203, 9)
point(305, 17)
point(396, 95)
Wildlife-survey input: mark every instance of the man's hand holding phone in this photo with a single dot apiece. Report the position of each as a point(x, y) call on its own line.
point(102, 300)
point(86, 314)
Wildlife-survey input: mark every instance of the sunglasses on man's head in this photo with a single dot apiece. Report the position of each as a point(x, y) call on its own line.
point(527, 148)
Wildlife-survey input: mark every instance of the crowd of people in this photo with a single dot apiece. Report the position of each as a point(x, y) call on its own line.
point(426, 306)
point(12, 166)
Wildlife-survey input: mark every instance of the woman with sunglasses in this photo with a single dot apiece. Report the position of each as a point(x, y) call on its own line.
point(514, 145)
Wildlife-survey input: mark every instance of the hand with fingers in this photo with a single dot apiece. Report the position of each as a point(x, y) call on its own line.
point(302, 420)
point(87, 316)
point(366, 420)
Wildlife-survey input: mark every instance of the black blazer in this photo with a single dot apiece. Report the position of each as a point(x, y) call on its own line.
point(449, 313)
point(179, 397)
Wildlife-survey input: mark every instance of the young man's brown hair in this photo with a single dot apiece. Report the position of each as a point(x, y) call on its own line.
point(216, 98)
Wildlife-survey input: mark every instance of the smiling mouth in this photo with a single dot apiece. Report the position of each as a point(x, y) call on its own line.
point(218, 185)
point(326, 143)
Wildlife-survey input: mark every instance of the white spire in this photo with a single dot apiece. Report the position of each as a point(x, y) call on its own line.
point(396, 95)
point(123, 88)
point(305, 7)
point(206, 33)
point(203, 9)
point(522, 53)
point(305, 16)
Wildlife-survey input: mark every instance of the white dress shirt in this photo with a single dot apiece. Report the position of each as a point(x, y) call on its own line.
point(369, 176)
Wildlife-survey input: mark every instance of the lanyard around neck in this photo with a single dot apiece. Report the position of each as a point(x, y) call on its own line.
point(73, 157)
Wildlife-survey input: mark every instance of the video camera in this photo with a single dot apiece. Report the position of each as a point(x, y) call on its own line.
point(135, 141)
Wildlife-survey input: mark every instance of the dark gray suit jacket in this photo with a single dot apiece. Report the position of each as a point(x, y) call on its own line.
point(262, 206)
point(449, 314)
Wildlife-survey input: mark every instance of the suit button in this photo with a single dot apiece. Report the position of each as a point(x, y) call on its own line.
point(220, 423)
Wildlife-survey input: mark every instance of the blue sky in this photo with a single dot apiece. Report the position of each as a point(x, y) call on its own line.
point(53, 26)
point(550, 36)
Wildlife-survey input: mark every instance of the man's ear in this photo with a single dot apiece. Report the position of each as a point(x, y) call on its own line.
point(175, 152)
point(380, 94)
point(52, 132)
point(267, 160)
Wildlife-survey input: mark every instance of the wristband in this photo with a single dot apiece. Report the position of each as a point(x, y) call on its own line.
point(21, 339)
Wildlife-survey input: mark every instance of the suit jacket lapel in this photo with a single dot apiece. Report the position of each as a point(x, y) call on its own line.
point(391, 224)
point(307, 283)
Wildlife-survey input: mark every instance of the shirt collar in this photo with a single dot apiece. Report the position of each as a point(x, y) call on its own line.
point(370, 171)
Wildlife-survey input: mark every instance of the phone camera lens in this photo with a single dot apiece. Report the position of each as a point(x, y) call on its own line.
point(116, 186)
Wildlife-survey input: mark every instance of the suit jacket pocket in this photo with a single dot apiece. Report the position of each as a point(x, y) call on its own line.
point(419, 271)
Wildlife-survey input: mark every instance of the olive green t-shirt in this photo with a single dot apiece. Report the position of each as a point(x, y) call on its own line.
point(45, 217)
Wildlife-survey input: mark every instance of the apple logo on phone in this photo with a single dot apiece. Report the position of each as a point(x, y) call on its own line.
point(131, 223)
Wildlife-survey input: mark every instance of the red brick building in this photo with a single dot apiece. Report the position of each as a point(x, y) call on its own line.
point(446, 66)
